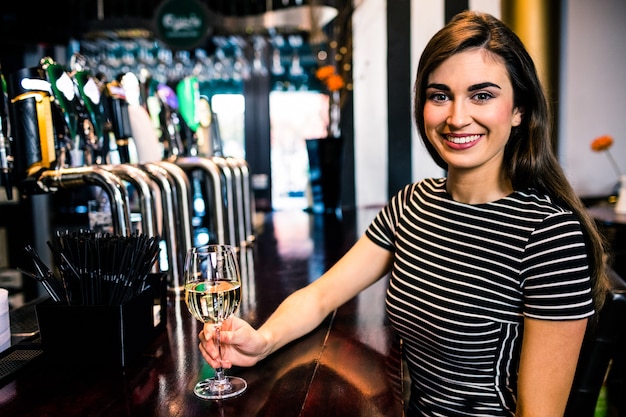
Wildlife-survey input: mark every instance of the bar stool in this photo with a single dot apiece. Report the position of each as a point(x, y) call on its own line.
point(600, 347)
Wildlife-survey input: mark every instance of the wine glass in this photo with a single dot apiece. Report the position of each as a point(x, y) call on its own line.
point(212, 294)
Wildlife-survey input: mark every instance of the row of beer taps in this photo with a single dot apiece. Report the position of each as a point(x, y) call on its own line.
point(64, 127)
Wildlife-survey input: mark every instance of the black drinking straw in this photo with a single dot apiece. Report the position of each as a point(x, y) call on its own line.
point(45, 276)
point(95, 268)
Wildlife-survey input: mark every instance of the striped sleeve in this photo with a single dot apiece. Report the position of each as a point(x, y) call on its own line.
point(382, 229)
point(555, 273)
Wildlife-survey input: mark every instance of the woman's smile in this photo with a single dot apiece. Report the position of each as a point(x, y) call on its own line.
point(461, 141)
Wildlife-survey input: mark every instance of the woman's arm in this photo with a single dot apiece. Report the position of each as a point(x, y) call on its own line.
point(302, 311)
point(549, 356)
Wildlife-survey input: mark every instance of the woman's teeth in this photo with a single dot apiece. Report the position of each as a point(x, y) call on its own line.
point(462, 139)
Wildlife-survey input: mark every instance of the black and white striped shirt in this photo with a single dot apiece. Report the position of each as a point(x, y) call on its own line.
point(463, 279)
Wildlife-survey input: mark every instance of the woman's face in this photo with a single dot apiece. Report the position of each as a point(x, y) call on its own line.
point(468, 112)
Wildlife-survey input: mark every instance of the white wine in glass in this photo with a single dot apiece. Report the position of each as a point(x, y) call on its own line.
point(212, 294)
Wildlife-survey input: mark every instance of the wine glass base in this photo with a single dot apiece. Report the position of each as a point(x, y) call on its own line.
point(212, 389)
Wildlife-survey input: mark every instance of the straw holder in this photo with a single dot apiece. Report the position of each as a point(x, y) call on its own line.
point(103, 336)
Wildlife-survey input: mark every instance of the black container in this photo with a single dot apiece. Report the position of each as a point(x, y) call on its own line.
point(103, 336)
point(325, 166)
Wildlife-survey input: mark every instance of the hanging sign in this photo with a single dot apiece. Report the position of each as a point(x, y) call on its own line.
point(182, 24)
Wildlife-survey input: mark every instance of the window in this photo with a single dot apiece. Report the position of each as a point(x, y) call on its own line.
point(230, 109)
point(294, 117)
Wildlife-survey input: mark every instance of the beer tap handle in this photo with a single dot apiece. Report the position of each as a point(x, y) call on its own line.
point(170, 121)
point(89, 94)
point(92, 118)
point(150, 101)
point(188, 92)
point(64, 93)
point(6, 155)
point(34, 145)
point(5, 164)
point(68, 105)
point(118, 119)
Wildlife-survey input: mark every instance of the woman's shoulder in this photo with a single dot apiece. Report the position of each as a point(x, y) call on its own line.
point(426, 185)
point(540, 208)
point(534, 199)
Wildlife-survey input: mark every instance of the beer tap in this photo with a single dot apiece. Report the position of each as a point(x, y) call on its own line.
point(36, 168)
point(145, 138)
point(150, 102)
point(160, 102)
point(6, 156)
point(199, 117)
point(30, 110)
point(170, 122)
point(117, 118)
point(188, 92)
point(93, 118)
point(67, 99)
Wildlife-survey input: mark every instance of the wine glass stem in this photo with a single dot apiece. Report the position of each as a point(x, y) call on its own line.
point(219, 371)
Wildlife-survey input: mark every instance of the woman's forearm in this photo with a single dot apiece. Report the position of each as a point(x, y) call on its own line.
point(306, 308)
point(296, 316)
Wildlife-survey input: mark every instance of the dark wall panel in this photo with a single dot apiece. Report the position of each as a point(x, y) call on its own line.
point(399, 80)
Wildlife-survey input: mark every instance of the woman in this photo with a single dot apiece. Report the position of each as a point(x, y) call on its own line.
point(496, 269)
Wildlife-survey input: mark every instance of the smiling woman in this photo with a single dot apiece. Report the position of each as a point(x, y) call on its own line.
point(468, 117)
point(493, 272)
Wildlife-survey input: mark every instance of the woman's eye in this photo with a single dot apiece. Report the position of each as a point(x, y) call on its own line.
point(482, 96)
point(438, 97)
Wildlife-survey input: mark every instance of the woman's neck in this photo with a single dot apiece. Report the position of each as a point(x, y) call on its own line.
point(477, 188)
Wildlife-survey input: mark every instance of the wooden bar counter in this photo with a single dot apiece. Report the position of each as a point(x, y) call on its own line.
point(349, 366)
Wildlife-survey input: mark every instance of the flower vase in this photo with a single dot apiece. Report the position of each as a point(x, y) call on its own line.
point(334, 114)
point(620, 204)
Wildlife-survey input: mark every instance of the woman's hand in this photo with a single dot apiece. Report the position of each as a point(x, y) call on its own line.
point(241, 344)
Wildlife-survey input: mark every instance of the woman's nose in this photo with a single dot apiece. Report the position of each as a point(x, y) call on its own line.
point(459, 115)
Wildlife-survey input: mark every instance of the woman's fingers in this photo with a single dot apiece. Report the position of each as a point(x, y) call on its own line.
point(210, 351)
point(240, 344)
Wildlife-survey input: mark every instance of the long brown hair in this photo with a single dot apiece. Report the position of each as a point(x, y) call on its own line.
point(529, 159)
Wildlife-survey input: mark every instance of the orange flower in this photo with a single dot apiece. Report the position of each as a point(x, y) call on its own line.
point(324, 72)
point(330, 78)
point(602, 143)
point(334, 82)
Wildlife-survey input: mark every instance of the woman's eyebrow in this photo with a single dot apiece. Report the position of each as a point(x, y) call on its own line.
point(473, 87)
point(482, 85)
point(438, 86)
